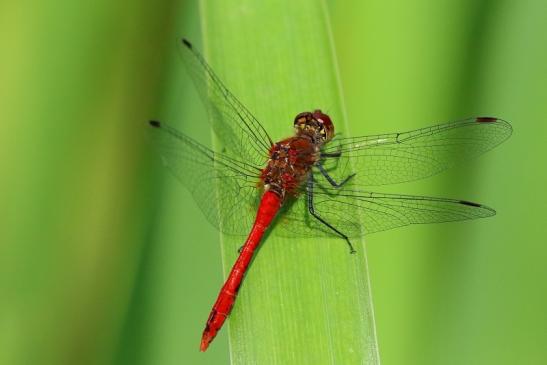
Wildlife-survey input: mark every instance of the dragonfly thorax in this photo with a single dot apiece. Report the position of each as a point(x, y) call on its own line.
point(289, 164)
point(317, 126)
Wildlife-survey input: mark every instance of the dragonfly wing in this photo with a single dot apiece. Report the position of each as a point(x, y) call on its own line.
point(400, 157)
point(239, 131)
point(224, 188)
point(358, 212)
point(294, 220)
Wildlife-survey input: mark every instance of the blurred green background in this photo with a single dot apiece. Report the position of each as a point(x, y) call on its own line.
point(105, 259)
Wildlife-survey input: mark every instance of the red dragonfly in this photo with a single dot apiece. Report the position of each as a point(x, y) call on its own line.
point(313, 181)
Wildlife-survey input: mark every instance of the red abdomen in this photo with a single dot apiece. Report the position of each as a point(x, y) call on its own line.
point(269, 205)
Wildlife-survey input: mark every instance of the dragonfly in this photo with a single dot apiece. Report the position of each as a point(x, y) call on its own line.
point(312, 184)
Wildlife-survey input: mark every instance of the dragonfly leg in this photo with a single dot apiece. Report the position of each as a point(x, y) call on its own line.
point(331, 154)
point(311, 209)
point(330, 179)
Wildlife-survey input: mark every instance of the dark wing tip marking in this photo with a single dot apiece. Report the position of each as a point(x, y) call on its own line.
point(488, 212)
point(486, 120)
point(155, 124)
point(502, 123)
point(465, 202)
point(187, 43)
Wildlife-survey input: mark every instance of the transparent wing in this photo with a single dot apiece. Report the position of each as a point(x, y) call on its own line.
point(357, 212)
point(224, 188)
point(239, 131)
point(400, 157)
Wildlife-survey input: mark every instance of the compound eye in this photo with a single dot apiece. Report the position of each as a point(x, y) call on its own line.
point(302, 118)
point(326, 123)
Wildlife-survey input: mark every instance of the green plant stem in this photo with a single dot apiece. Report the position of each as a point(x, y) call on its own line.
point(303, 301)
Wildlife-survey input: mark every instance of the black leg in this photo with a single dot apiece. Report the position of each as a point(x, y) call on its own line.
point(330, 179)
point(331, 154)
point(312, 212)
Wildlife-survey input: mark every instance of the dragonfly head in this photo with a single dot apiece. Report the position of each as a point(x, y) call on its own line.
point(316, 125)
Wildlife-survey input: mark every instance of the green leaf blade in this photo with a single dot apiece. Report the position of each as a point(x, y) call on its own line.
point(302, 301)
